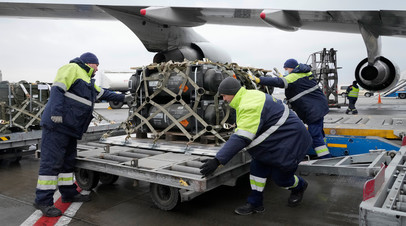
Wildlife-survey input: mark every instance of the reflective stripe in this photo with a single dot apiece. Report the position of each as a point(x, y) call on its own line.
point(60, 85)
point(271, 129)
point(65, 179)
point(294, 184)
point(78, 98)
point(299, 95)
point(321, 150)
point(100, 94)
point(245, 133)
point(285, 82)
point(257, 183)
point(47, 182)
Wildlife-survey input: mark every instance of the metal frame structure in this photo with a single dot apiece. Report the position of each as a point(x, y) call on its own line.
point(324, 67)
point(172, 165)
point(384, 196)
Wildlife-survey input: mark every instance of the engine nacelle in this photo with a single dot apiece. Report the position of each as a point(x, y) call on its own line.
point(197, 51)
point(378, 77)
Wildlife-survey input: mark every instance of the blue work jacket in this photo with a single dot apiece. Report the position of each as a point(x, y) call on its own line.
point(256, 113)
point(73, 95)
point(311, 106)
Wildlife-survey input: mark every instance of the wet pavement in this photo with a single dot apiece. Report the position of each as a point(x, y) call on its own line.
point(329, 200)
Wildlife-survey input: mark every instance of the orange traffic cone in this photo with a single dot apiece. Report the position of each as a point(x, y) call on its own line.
point(379, 99)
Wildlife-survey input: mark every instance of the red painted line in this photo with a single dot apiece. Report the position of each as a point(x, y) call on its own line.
point(52, 220)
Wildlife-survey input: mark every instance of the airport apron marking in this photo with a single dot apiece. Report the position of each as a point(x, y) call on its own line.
point(68, 210)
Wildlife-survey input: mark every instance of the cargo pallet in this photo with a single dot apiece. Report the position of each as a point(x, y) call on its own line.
point(14, 146)
point(172, 168)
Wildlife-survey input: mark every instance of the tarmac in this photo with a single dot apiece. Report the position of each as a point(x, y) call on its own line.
point(329, 199)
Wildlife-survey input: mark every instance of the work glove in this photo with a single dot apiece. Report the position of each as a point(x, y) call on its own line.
point(253, 78)
point(56, 119)
point(209, 166)
point(128, 99)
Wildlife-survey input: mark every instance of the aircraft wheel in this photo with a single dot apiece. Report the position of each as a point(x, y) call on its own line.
point(86, 179)
point(402, 95)
point(164, 197)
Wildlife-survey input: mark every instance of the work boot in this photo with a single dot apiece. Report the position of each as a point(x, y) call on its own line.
point(296, 195)
point(77, 198)
point(48, 211)
point(248, 208)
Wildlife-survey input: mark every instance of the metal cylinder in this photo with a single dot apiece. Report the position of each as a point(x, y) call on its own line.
point(174, 84)
point(149, 152)
point(132, 154)
point(116, 158)
point(185, 169)
point(402, 198)
point(194, 164)
point(212, 79)
point(401, 206)
point(162, 121)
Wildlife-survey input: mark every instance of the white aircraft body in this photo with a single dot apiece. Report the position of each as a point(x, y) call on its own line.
point(167, 29)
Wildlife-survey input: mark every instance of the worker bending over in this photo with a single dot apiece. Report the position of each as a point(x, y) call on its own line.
point(273, 135)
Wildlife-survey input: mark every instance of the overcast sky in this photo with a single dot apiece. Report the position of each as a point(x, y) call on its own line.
point(34, 49)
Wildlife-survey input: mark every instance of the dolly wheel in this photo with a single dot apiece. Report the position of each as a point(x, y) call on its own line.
point(164, 197)
point(106, 178)
point(86, 179)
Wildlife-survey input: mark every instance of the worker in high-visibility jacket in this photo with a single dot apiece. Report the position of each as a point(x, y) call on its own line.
point(352, 96)
point(274, 136)
point(306, 98)
point(66, 117)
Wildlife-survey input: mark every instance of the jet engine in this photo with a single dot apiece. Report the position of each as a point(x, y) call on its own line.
point(380, 76)
point(197, 51)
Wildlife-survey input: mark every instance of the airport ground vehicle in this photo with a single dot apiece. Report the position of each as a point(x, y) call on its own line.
point(401, 94)
point(115, 81)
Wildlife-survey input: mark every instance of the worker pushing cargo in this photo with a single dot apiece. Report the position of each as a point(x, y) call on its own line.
point(275, 137)
point(306, 98)
point(66, 117)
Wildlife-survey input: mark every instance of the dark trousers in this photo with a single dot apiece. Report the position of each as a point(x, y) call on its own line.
point(351, 103)
point(260, 172)
point(317, 133)
point(58, 153)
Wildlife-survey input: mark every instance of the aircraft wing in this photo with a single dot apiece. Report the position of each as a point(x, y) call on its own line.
point(379, 22)
point(168, 28)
